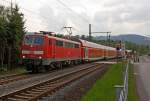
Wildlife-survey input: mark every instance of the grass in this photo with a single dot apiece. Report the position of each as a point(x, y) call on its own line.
point(132, 89)
point(103, 89)
point(18, 70)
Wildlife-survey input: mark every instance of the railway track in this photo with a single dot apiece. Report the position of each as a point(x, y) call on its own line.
point(11, 78)
point(37, 91)
point(15, 77)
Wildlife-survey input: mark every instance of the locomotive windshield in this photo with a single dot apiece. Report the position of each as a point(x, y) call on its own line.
point(33, 40)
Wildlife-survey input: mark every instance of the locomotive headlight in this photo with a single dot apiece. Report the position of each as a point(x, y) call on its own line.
point(40, 57)
point(23, 56)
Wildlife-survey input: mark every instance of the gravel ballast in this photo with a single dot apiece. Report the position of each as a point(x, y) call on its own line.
point(17, 85)
point(77, 89)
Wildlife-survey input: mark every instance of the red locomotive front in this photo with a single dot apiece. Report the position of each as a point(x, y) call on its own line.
point(33, 47)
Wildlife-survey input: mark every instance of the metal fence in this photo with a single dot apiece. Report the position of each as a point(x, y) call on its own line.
point(122, 90)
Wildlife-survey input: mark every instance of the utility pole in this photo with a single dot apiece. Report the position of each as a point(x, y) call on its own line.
point(11, 6)
point(107, 36)
point(109, 40)
point(90, 36)
point(69, 30)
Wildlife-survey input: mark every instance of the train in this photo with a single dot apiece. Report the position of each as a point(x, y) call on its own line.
point(41, 51)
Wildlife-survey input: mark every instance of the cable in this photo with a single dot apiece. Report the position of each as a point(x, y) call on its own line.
point(68, 8)
point(59, 1)
point(29, 11)
point(45, 17)
point(26, 9)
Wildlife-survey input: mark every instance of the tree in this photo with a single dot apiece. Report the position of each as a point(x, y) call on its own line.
point(15, 33)
point(3, 28)
point(12, 31)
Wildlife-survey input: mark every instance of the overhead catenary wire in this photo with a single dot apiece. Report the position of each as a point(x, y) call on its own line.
point(34, 26)
point(46, 17)
point(83, 18)
point(25, 9)
point(67, 7)
point(70, 10)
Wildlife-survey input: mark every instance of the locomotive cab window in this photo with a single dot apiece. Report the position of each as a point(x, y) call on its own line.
point(28, 40)
point(59, 43)
point(33, 40)
point(38, 40)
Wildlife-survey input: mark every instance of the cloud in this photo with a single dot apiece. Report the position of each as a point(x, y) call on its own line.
point(62, 16)
point(118, 16)
point(121, 17)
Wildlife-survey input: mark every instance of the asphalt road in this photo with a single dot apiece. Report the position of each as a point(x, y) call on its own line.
point(142, 76)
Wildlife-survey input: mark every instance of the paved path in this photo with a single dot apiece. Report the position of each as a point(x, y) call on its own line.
point(142, 74)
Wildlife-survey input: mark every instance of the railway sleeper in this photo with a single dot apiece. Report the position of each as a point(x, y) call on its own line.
point(27, 94)
point(50, 83)
point(46, 92)
point(22, 97)
point(46, 86)
point(33, 92)
point(15, 99)
point(53, 84)
point(36, 90)
point(41, 88)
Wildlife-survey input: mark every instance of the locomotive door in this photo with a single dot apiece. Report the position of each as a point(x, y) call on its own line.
point(86, 52)
point(53, 49)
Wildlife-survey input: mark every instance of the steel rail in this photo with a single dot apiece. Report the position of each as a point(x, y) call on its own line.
point(37, 91)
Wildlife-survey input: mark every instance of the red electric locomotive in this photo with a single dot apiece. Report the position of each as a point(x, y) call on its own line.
point(41, 51)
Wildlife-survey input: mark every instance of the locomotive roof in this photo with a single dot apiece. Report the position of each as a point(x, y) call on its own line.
point(57, 38)
point(95, 45)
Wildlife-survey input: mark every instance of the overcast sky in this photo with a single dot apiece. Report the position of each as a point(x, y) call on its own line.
point(117, 16)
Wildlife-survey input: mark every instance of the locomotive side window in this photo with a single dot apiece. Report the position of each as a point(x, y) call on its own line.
point(69, 45)
point(66, 44)
point(59, 43)
point(76, 46)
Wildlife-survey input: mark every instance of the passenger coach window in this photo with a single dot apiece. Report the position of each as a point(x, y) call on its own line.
point(59, 43)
